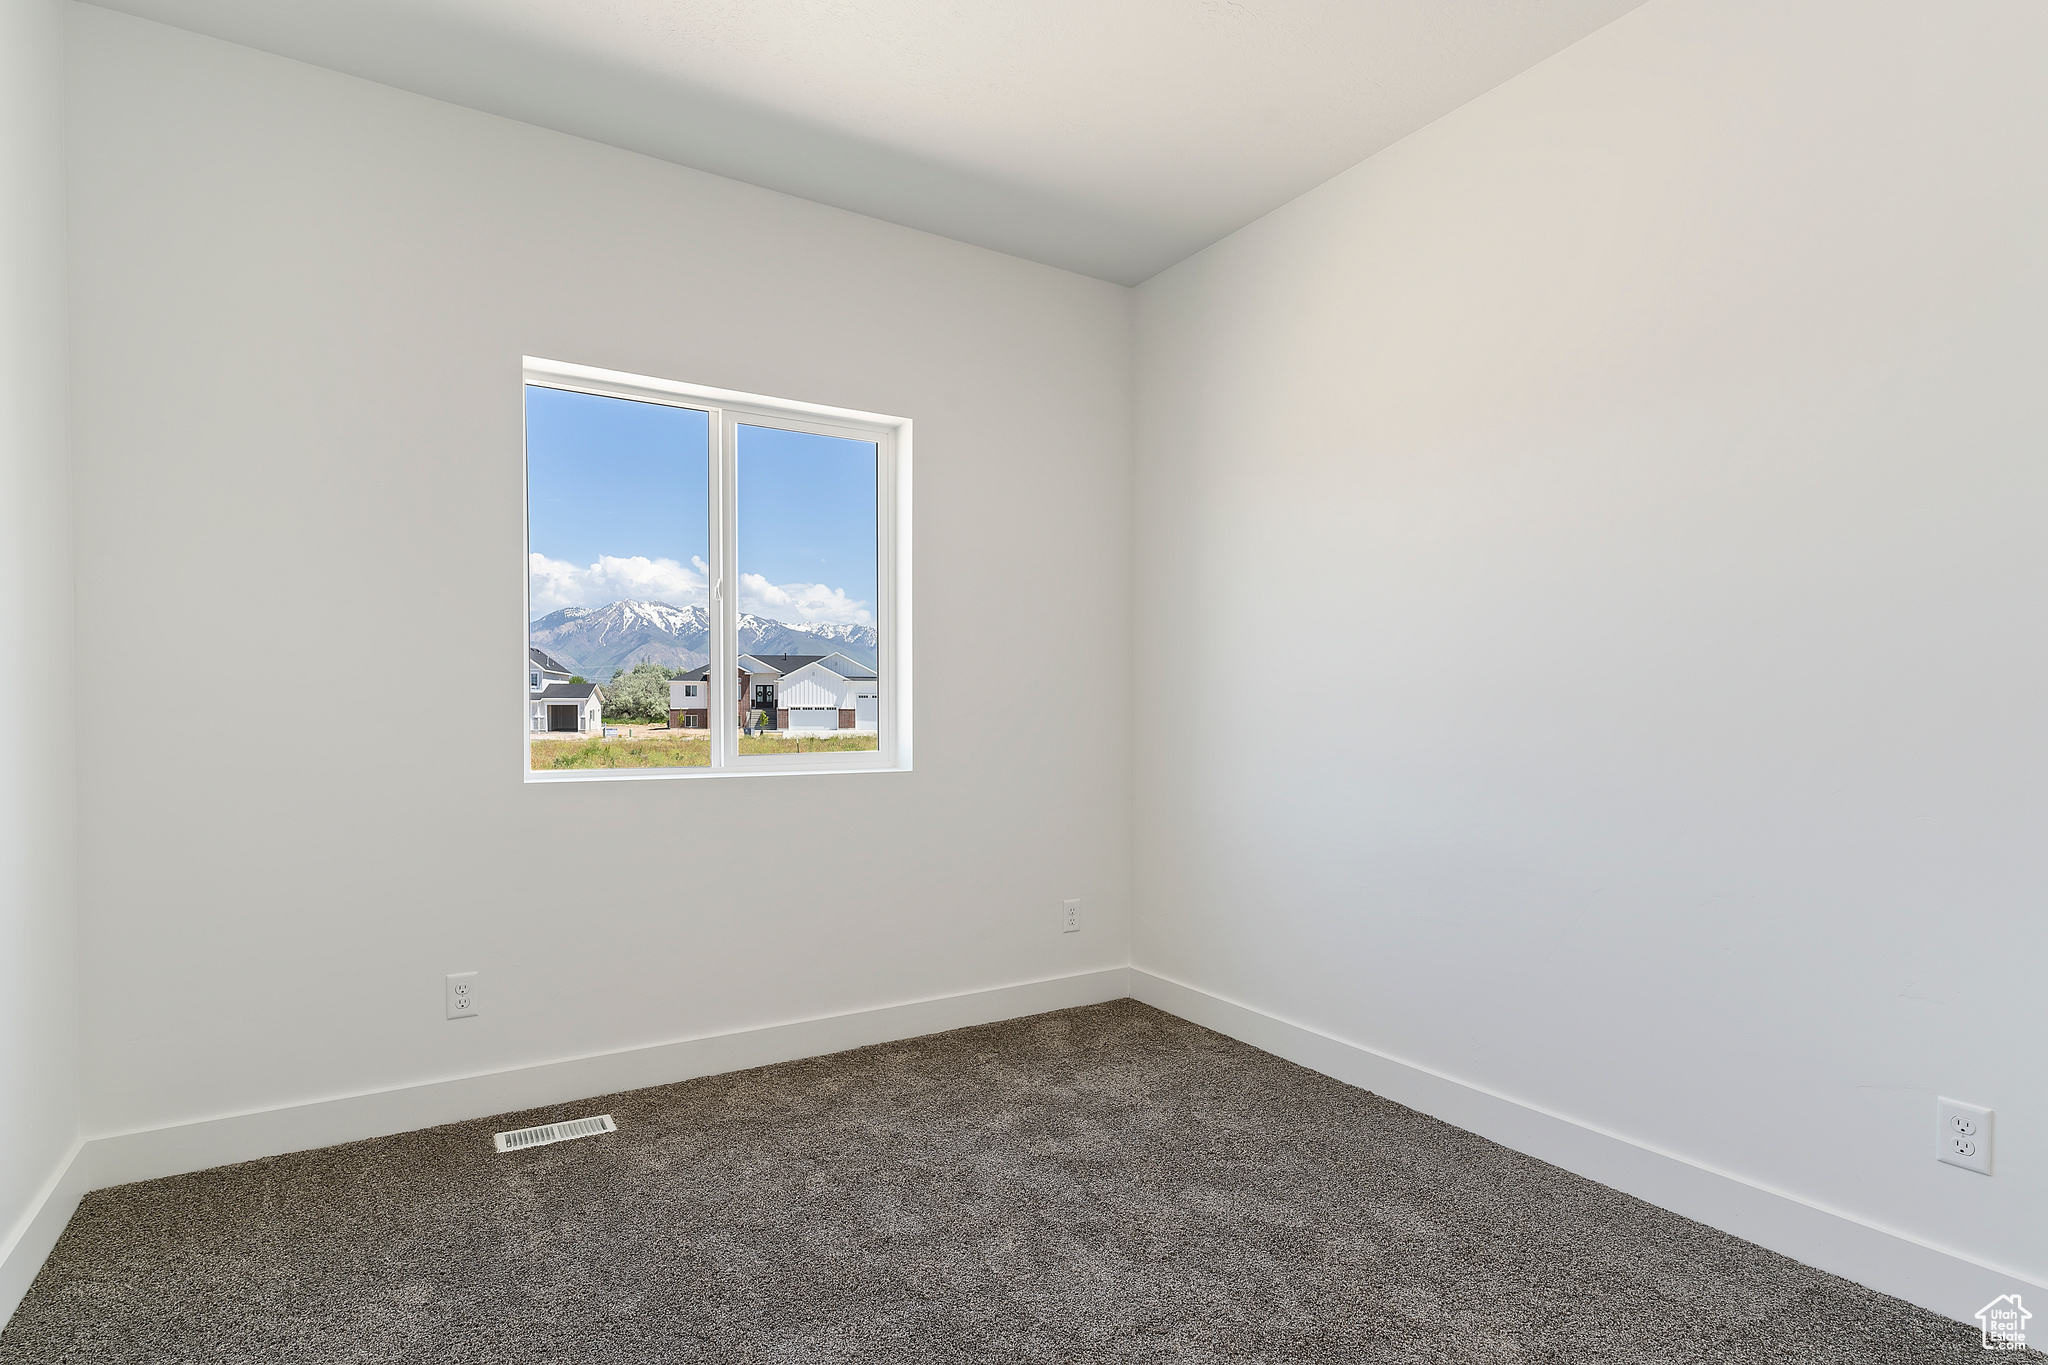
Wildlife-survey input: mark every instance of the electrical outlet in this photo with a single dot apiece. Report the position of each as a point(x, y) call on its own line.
point(461, 995)
point(1963, 1135)
point(1071, 924)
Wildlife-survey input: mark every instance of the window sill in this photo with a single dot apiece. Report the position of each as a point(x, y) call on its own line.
point(658, 774)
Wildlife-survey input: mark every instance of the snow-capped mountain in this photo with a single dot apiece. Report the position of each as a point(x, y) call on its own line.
point(595, 640)
point(759, 635)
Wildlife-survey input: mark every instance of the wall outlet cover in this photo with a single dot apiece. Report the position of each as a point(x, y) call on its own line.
point(1070, 922)
point(1962, 1135)
point(461, 995)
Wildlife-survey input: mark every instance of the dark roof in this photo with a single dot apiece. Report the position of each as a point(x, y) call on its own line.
point(546, 662)
point(849, 669)
point(565, 692)
point(785, 663)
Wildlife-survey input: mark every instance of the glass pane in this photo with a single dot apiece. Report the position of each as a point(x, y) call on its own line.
point(807, 598)
point(618, 542)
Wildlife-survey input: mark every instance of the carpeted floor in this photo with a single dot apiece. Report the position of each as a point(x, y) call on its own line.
point(1100, 1184)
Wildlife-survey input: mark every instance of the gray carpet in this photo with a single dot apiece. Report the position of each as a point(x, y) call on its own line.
point(1100, 1184)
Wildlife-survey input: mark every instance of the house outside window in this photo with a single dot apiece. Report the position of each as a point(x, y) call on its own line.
point(723, 574)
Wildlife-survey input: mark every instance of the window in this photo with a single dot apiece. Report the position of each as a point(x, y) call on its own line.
point(756, 546)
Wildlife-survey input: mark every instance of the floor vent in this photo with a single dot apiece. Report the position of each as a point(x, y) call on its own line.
point(519, 1139)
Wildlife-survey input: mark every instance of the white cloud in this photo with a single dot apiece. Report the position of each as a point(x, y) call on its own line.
point(806, 603)
point(557, 583)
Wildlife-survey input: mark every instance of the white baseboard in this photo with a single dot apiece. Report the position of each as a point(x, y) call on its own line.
point(120, 1158)
point(146, 1154)
point(1892, 1262)
point(27, 1245)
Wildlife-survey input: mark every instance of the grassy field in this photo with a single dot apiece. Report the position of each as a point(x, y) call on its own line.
point(676, 749)
point(682, 749)
point(859, 741)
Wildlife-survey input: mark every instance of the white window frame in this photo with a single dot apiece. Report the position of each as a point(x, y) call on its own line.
point(728, 409)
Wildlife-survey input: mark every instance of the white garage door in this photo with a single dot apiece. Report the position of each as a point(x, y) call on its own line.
point(813, 718)
point(867, 710)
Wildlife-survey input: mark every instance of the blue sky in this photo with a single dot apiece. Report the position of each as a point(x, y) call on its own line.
point(616, 503)
point(807, 523)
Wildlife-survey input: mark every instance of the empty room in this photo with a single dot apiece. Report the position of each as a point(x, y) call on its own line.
point(1168, 681)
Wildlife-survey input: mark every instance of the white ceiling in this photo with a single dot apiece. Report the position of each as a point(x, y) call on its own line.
point(1111, 137)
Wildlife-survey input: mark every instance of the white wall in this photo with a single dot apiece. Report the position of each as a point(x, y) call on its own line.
point(301, 303)
point(1653, 449)
point(38, 932)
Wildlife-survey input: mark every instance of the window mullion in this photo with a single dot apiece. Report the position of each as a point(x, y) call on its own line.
point(724, 638)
